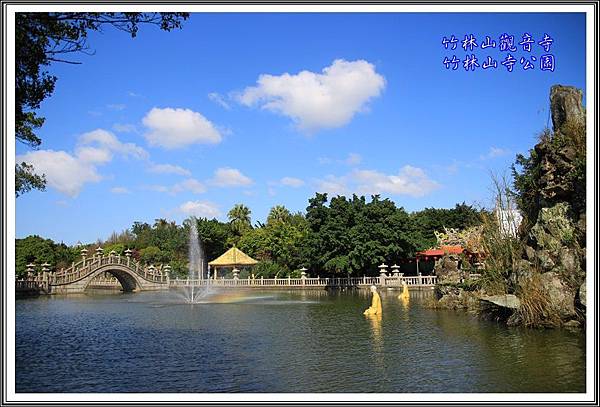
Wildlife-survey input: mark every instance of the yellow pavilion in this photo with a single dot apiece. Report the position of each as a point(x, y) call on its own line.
point(234, 258)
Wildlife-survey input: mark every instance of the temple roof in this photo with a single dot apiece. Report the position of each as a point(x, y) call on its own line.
point(233, 257)
point(442, 251)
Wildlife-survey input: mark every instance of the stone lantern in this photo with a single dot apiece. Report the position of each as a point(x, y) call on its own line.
point(128, 254)
point(167, 271)
point(112, 253)
point(303, 275)
point(30, 269)
point(382, 273)
point(45, 270)
point(235, 273)
point(99, 252)
point(395, 270)
point(84, 253)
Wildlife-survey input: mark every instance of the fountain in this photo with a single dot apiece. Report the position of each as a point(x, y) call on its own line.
point(196, 290)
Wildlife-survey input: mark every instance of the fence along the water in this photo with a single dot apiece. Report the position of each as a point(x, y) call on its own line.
point(390, 281)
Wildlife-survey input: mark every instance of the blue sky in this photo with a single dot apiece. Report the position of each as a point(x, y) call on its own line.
point(267, 109)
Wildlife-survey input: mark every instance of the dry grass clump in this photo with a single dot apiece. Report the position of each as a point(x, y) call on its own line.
point(536, 309)
point(500, 243)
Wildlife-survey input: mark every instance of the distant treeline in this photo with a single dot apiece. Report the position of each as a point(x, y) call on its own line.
point(340, 235)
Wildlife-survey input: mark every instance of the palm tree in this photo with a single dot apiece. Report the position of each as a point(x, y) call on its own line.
point(239, 218)
point(278, 213)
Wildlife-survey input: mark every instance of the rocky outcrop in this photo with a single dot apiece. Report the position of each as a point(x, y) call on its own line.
point(546, 286)
point(448, 271)
point(554, 260)
point(510, 301)
point(451, 296)
point(565, 104)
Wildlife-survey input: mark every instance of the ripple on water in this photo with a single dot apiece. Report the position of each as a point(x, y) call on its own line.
point(281, 342)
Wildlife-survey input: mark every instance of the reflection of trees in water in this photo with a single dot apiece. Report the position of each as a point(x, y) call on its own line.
point(516, 358)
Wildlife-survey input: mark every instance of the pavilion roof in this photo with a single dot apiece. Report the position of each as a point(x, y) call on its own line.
point(233, 257)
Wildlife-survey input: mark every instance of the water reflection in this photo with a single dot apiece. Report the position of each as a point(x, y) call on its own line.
point(282, 341)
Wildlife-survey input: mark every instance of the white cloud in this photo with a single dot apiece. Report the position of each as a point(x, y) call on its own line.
point(353, 159)
point(291, 182)
point(168, 169)
point(68, 173)
point(218, 99)
point(191, 185)
point(188, 185)
point(177, 128)
point(332, 185)
point(124, 128)
point(493, 153)
point(106, 140)
point(411, 181)
point(120, 190)
point(64, 172)
point(317, 101)
point(116, 106)
point(230, 177)
point(93, 155)
point(202, 209)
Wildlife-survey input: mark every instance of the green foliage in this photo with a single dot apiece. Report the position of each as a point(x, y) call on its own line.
point(118, 248)
point(565, 150)
point(353, 236)
point(279, 241)
point(429, 220)
point(267, 269)
point(239, 221)
point(278, 214)
point(44, 38)
point(38, 250)
point(214, 236)
point(347, 236)
point(26, 179)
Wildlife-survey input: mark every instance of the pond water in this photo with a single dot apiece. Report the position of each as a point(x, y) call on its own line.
point(281, 341)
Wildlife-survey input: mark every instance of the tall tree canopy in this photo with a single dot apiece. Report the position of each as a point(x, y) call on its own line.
point(44, 38)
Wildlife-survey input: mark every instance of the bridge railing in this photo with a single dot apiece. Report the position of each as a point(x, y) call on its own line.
point(84, 267)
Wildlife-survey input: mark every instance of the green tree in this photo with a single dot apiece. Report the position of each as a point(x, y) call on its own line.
point(45, 38)
point(26, 179)
point(429, 220)
point(239, 219)
point(278, 213)
point(353, 236)
point(39, 250)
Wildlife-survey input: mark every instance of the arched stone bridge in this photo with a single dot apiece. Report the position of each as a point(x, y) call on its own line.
point(131, 275)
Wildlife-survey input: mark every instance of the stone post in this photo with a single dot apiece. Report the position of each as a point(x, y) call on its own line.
point(303, 275)
point(128, 255)
point(83, 252)
point(167, 273)
point(45, 270)
point(395, 271)
point(382, 274)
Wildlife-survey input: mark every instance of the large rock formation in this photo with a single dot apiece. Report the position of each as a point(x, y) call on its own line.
point(546, 286)
point(448, 270)
point(555, 244)
point(566, 104)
